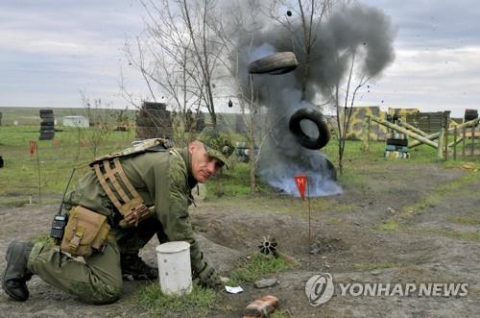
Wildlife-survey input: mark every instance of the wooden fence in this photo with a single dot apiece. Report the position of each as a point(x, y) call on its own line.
point(465, 137)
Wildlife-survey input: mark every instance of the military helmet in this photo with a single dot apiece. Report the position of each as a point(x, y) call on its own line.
point(217, 145)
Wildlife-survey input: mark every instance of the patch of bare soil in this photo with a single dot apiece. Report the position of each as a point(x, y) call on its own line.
point(436, 244)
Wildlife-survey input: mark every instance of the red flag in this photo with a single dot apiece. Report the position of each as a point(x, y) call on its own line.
point(33, 147)
point(301, 181)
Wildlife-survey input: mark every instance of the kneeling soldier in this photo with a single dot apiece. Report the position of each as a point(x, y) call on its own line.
point(115, 210)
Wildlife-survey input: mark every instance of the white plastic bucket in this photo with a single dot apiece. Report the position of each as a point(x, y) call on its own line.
point(174, 269)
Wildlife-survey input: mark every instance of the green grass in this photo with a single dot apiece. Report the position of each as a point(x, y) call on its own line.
point(257, 267)
point(234, 182)
point(45, 173)
point(196, 304)
point(354, 153)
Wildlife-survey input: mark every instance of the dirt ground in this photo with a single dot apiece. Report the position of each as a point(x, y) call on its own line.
point(393, 226)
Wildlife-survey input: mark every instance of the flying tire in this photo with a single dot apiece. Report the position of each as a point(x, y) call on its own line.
point(275, 64)
point(303, 139)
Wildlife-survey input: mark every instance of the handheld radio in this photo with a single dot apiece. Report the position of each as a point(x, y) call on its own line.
point(60, 220)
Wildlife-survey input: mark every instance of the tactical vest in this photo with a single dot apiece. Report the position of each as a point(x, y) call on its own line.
point(116, 185)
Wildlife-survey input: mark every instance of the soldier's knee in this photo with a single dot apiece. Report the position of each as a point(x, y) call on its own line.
point(107, 299)
point(105, 294)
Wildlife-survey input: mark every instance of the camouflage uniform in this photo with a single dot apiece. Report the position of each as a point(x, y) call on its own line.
point(163, 179)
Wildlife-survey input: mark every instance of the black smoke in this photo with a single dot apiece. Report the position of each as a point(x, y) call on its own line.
point(351, 31)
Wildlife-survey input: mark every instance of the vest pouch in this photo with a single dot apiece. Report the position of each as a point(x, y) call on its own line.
point(85, 232)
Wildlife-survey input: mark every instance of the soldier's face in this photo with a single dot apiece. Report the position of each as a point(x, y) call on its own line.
point(203, 165)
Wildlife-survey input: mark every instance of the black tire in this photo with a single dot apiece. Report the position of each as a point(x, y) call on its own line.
point(398, 142)
point(47, 123)
point(317, 118)
point(46, 113)
point(275, 64)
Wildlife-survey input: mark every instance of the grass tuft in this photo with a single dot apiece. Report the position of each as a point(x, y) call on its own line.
point(256, 267)
point(196, 304)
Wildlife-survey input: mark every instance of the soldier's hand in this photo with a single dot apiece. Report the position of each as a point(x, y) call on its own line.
point(131, 218)
point(209, 278)
point(137, 215)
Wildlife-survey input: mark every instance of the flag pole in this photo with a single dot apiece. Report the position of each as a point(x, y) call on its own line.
point(309, 213)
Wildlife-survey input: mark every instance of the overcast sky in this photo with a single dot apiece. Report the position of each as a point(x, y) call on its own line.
point(50, 50)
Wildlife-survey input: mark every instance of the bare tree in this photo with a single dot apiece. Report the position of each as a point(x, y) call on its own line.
point(206, 52)
point(178, 55)
point(100, 128)
point(227, 37)
point(344, 109)
point(162, 56)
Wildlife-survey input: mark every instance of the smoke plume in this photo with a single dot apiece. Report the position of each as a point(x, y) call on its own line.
point(357, 30)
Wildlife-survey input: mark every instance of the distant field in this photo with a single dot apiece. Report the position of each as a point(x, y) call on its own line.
point(31, 116)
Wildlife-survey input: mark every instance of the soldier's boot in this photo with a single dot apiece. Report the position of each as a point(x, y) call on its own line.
point(17, 274)
point(134, 267)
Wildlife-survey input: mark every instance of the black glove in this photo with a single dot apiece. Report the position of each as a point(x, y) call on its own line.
point(208, 277)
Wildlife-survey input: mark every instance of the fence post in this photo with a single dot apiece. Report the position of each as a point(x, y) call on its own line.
point(441, 141)
point(473, 141)
point(464, 135)
point(446, 116)
point(455, 143)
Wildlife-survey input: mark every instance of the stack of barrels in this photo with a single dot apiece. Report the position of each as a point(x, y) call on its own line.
point(154, 121)
point(397, 143)
point(47, 124)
